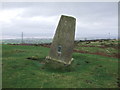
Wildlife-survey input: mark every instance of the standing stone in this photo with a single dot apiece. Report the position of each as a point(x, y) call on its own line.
point(63, 42)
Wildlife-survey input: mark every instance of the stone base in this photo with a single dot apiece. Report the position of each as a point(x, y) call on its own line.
point(59, 61)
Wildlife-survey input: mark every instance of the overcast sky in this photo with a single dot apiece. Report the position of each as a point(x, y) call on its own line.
point(40, 19)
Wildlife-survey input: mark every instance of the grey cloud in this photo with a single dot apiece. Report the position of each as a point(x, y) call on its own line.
point(89, 13)
point(75, 9)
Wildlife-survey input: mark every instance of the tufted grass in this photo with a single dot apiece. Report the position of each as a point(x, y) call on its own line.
point(90, 71)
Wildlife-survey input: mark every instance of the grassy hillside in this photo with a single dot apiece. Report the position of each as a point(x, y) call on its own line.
point(89, 71)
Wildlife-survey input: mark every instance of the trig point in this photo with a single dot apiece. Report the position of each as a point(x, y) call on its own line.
point(63, 41)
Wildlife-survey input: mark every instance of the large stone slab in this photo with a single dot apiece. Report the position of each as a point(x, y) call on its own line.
point(63, 41)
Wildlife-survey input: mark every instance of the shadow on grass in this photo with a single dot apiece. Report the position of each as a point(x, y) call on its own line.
point(59, 67)
point(79, 64)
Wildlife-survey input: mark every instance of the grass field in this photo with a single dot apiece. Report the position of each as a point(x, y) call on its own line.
point(89, 71)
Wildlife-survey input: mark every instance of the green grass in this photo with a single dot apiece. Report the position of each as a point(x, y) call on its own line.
point(90, 71)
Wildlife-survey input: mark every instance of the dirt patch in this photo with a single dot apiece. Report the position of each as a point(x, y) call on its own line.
point(116, 47)
point(31, 58)
point(100, 66)
point(45, 45)
point(87, 62)
point(97, 53)
point(118, 82)
point(88, 81)
point(78, 64)
point(19, 51)
point(78, 51)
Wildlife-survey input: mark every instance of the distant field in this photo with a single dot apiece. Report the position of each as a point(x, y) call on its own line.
point(26, 40)
point(95, 66)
